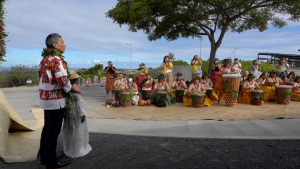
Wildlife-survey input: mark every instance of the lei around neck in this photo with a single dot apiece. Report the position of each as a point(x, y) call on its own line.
point(51, 52)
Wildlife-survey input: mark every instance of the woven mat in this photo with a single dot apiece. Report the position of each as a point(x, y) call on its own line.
point(216, 112)
point(19, 140)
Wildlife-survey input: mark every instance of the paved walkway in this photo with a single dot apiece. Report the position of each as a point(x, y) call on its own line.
point(24, 99)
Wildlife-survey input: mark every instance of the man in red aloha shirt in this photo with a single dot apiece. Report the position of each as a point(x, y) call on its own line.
point(53, 84)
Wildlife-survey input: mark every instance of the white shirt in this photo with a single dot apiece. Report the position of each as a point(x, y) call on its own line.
point(53, 83)
point(282, 68)
point(236, 67)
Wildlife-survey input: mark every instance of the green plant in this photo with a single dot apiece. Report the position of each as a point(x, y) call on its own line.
point(195, 97)
point(118, 93)
point(234, 94)
point(148, 95)
point(3, 34)
point(255, 96)
point(286, 94)
point(179, 93)
point(225, 84)
point(157, 96)
point(209, 92)
point(180, 62)
point(126, 98)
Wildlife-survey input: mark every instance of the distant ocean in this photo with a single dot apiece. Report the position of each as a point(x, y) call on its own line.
point(8, 68)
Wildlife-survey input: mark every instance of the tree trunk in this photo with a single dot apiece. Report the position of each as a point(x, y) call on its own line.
point(212, 57)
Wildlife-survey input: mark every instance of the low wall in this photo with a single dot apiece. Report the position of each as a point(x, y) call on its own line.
point(185, 70)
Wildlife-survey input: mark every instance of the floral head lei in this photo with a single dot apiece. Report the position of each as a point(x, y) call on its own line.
point(51, 52)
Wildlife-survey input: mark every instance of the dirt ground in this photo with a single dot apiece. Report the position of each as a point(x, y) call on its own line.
point(118, 151)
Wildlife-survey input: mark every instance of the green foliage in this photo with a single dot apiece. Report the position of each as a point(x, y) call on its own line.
point(18, 75)
point(205, 66)
point(246, 65)
point(126, 98)
point(171, 57)
point(225, 84)
point(234, 94)
point(155, 72)
point(286, 94)
point(171, 19)
point(180, 62)
point(179, 93)
point(195, 97)
point(3, 34)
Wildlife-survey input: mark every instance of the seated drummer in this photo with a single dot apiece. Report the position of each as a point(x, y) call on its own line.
point(161, 84)
point(290, 78)
point(205, 80)
point(248, 85)
point(296, 89)
point(147, 83)
point(196, 87)
point(262, 78)
point(119, 81)
point(179, 83)
point(130, 86)
point(225, 69)
point(272, 80)
point(269, 87)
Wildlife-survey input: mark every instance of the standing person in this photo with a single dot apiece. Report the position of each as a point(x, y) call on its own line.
point(215, 73)
point(110, 79)
point(196, 66)
point(255, 69)
point(167, 68)
point(55, 98)
point(237, 66)
point(282, 66)
point(75, 130)
point(142, 75)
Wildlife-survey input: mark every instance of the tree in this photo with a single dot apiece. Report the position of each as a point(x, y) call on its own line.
point(171, 56)
point(180, 62)
point(173, 19)
point(3, 34)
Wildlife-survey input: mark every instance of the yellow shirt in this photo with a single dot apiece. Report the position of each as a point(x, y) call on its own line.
point(167, 68)
point(195, 66)
point(144, 71)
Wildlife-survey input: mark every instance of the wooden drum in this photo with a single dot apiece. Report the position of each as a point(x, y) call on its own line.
point(146, 92)
point(198, 100)
point(160, 98)
point(209, 92)
point(284, 94)
point(179, 95)
point(117, 93)
point(257, 96)
point(126, 98)
point(231, 82)
point(229, 101)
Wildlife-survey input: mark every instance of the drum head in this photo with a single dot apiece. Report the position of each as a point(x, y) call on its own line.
point(284, 86)
point(257, 91)
point(232, 76)
point(198, 94)
point(125, 93)
point(146, 89)
point(208, 88)
point(161, 92)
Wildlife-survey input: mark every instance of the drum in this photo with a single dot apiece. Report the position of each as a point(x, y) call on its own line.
point(209, 92)
point(179, 95)
point(117, 93)
point(284, 94)
point(231, 82)
point(257, 96)
point(146, 92)
point(160, 98)
point(229, 101)
point(126, 98)
point(198, 100)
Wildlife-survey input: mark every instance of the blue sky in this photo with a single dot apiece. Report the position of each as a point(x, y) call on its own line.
point(92, 38)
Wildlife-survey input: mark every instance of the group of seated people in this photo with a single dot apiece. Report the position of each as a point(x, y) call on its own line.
point(266, 82)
